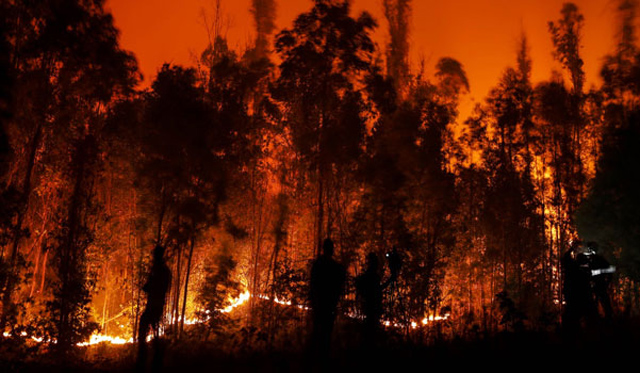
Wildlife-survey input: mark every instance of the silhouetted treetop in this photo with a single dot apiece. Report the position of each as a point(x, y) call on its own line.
point(327, 42)
point(566, 34)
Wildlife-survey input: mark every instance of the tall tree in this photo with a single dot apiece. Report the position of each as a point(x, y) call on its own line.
point(9, 195)
point(620, 70)
point(237, 87)
point(185, 140)
point(566, 34)
point(409, 196)
point(324, 56)
point(562, 126)
point(5, 81)
point(510, 219)
point(69, 68)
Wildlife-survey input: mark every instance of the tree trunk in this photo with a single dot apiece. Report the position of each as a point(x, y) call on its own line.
point(163, 210)
point(320, 201)
point(34, 278)
point(133, 273)
point(106, 298)
point(177, 291)
point(186, 285)
point(12, 275)
point(71, 257)
point(257, 213)
point(44, 271)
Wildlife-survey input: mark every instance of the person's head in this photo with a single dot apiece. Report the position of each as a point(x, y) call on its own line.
point(585, 250)
point(327, 247)
point(158, 253)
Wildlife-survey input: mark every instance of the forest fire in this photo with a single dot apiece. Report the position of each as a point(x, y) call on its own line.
point(93, 340)
point(242, 299)
point(233, 304)
point(313, 189)
point(100, 338)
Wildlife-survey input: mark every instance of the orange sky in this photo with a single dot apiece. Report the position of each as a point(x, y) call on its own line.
point(482, 34)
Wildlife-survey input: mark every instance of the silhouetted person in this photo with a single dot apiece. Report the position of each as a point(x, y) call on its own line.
point(370, 291)
point(325, 288)
point(584, 288)
point(570, 280)
point(601, 275)
point(156, 288)
point(576, 288)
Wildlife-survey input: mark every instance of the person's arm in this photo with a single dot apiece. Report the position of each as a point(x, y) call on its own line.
point(312, 285)
point(600, 271)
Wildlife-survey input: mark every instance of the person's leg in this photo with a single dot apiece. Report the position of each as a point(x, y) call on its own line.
point(143, 329)
point(158, 348)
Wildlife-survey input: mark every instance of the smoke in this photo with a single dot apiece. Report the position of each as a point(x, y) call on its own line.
point(627, 17)
point(264, 16)
point(398, 13)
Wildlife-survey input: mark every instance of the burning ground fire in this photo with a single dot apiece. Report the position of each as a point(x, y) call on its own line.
point(94, 339)
point(234, 303)
point(415, 325)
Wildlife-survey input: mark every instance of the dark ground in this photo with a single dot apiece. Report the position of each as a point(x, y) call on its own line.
point(608, 349)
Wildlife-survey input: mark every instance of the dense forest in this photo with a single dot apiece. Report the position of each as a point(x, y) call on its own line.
point(242, 165)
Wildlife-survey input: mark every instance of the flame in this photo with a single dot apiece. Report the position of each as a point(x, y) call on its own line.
point(283, 302)
point(414, 324)
point(101, 338)
point(191, 321)
point(234, 303)
point(432, 318)
point(24, 334)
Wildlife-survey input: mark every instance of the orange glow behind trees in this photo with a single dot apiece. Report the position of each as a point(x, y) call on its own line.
point(483, 35)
